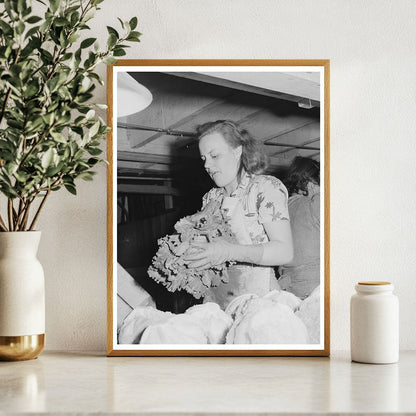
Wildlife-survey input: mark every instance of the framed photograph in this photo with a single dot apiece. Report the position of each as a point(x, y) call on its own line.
point(218, 208)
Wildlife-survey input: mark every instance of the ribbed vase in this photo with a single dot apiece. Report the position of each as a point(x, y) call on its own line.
point(22, 296)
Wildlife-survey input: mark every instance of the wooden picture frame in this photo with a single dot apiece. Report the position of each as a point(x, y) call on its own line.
point(285, 102)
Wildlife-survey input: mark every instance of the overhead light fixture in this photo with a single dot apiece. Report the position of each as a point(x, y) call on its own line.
point(305, 103)
point(132, 96)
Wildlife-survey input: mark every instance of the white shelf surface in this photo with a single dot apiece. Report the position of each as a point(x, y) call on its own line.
point(90, 383)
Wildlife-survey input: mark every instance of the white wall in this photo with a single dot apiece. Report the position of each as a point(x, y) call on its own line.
point(371, 45)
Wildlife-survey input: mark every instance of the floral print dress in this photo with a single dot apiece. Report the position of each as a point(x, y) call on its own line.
point(261, 199)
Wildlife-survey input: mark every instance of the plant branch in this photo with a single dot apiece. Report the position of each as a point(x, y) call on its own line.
point(10, 213)
point(35, 145)
point(19, 215)
point(39, 210)
point(2, 224)
point(26, 216)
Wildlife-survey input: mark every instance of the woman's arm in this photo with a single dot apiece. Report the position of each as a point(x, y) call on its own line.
point(279, 250)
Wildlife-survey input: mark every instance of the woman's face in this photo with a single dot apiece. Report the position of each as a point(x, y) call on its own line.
point(221, 161)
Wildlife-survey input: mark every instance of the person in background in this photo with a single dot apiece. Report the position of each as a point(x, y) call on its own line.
point(257, 207)
point(302, 275)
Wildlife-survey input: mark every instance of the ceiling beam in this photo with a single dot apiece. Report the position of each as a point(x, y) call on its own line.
point(292, 146)
point(188, 143)
point(158, 129)
point(182, 121)
point(301, 146)
point(124, 188)
point(212, 79)
point(148, 158)
point(287, 131)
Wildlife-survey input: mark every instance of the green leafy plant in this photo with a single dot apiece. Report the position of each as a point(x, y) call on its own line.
point(50, 134)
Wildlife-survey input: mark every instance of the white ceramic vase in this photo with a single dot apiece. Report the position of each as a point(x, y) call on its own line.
point(22, 296)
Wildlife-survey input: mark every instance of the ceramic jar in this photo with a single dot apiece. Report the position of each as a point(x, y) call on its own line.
point(374, 323)
point(22, 296)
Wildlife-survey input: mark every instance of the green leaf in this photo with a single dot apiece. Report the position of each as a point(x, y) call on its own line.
point(54, 4)
point(90, 115)
point(67, 56)
point(87, 42)
point(94, 129)
point(33, 19)
point(31, 90)
point(20, 28)
point(94, 151)
point(90, 14)
point(134, 36)
point(112, 31)
point(16, 124)
point(10, 7)
point(119, 52)
point(82, 98)
point(110, 60)
point(121, 22)
point(47, 158)
point(86, 176)
point(133, 23)
point(21, 6)
point(46, 56)
point(52, 171)
point(31, 32)
point(63, 41)
point(112, 41)
point(78, 154)
point(61, 21)
point(58, 137)
point(21, 177)
point(8, 191)
point(131, 38)
point(74, 18)
point(53, 83)
point(70, 188)
point(92, 161)
point(48, 118)
point(67, 153)
point(11, 168)
point(35, 125)
point(73, 38)
point(5, 28)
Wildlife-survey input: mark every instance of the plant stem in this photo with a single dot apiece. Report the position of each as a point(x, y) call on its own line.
point(26, 216)
point(10, 213)
point(3, 109)
point(2, 224)
point(39, 209)
point(20, 213)
point(35, 145)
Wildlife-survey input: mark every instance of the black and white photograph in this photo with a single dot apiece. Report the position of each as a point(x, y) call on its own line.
point(218, 209)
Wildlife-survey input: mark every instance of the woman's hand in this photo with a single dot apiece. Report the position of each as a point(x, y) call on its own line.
point(206, 255)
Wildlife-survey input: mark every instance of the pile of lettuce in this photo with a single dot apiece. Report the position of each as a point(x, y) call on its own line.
point(168, 265)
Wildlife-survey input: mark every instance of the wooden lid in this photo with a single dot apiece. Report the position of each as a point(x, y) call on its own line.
point(374, 283)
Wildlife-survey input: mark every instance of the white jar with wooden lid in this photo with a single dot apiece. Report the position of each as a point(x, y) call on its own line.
point(374, 323)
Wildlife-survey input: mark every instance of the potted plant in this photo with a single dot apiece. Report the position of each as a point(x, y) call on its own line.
point(50, 136)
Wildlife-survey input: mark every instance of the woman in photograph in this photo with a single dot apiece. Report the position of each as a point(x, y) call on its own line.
point(302, 275)
point(257, 206)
